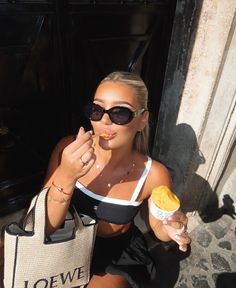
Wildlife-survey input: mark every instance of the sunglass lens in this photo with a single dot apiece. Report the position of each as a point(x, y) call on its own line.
point(93, 112)
point(121, 115)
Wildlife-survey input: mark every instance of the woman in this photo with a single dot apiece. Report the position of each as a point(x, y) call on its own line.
point(109, 175)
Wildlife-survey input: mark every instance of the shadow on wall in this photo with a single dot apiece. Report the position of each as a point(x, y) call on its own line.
point(196, 194)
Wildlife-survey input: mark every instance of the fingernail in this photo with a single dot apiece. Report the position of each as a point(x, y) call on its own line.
point(81, 129)
point(183, 248)
point(177, 237)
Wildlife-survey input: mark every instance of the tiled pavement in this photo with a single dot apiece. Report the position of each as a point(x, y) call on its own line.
point(209, 263)
point(212, 261)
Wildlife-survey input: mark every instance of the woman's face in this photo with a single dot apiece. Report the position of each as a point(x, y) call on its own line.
point(113, 136)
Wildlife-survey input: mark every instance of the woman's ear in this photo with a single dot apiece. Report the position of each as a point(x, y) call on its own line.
point(144, 120)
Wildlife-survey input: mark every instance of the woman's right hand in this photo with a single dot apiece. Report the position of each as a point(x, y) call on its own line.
point(78, 157)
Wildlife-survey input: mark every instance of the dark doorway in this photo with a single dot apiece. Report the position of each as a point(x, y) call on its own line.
point(52, 56)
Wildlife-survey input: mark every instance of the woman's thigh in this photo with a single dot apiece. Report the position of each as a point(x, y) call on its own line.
point(108, 281)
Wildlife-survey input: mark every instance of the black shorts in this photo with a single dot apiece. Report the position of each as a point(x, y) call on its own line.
point(126, 255)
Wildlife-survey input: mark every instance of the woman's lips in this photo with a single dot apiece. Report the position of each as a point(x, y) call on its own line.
point(107, 134)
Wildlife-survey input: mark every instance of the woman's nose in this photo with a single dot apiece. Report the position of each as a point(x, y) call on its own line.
point(106, 119)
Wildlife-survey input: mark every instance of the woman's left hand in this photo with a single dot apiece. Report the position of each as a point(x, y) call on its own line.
point(176, 228)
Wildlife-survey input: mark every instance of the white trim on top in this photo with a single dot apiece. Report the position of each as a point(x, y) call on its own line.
point(107, 199)
point(141, 180)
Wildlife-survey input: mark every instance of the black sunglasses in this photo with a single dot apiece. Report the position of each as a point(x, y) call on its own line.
point(118, 114)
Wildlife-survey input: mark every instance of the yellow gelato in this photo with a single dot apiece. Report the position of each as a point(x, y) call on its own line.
point(165, 199)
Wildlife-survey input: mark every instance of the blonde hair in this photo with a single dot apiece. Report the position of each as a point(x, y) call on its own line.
point(141, 140)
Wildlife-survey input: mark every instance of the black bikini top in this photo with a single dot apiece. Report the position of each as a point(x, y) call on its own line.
point(109, 209)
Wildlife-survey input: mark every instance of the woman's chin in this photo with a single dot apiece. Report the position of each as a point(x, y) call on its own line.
point(105, 144)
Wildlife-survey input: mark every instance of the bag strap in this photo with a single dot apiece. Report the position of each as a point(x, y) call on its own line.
point(39, 215)
point(36, 221)
point(32, 203)
point(28, 224)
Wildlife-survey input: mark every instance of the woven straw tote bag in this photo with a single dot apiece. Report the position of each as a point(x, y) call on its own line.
point(31, 260)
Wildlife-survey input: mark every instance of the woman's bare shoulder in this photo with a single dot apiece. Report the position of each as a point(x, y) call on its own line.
point(158, 175)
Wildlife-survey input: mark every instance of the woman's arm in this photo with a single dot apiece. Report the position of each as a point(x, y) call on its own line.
point(64, 169)
point(174, 227)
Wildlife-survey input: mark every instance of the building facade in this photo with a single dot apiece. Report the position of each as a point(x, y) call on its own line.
point(196, 129)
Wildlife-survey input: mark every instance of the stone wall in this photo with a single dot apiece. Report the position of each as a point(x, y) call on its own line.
point(197, 120)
